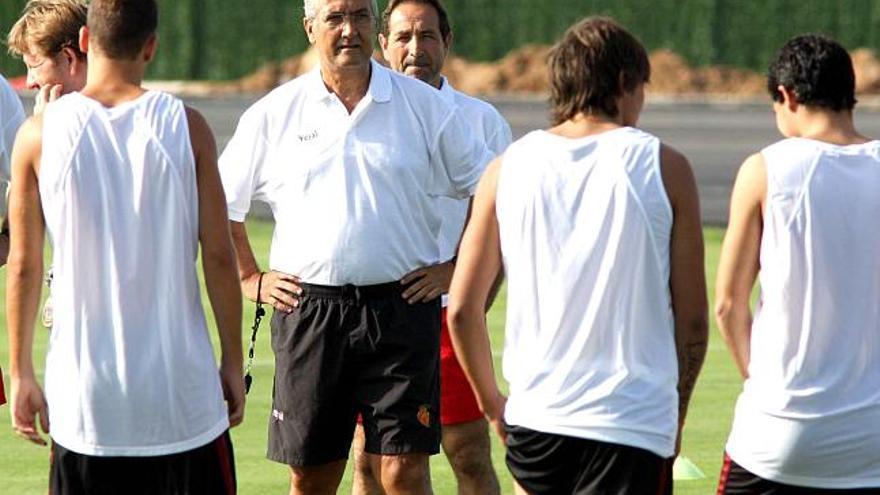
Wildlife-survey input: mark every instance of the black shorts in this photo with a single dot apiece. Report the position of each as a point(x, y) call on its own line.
point(547, 463)
point(206, 470)
point(737, 480)
point(354, 350)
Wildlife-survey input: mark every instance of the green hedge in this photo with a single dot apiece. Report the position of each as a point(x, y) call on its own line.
point(219, 39)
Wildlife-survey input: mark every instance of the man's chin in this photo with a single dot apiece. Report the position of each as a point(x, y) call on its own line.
point(420, 73)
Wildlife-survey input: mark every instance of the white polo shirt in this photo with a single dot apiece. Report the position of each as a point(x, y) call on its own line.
point(11, 116)
point(353, 195)
point(488, 125)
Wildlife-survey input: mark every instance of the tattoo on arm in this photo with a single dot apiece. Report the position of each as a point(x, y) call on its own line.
point(690, 362)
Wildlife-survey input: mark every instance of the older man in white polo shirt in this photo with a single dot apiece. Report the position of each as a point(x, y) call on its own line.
point(351, 158)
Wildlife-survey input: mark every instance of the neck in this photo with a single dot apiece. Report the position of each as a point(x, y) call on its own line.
point(112, 82)
point(830, 127)
point(582, 125)
point(350, 85)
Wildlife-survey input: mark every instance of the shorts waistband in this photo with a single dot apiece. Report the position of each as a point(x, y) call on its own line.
point(350, 291)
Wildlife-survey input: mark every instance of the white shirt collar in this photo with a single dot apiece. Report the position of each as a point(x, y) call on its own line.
point(446, 90)
point(379, 89)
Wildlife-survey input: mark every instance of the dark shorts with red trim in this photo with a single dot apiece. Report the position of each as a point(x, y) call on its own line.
point(547, 463)
point(350, 350)
point(737, 480)
point(458, 404)
point(206, 470)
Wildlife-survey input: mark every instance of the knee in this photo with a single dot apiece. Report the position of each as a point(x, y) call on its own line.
point(363, 481)
point(362, 465)
point(318, 481)
point(407, 473)
point(472, 461)
point(470, 455)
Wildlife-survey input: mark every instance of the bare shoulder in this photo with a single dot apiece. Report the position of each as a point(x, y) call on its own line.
point(494, 168)
point(29, 140)
point(673, 163)
point(489, 180)
point(200, 132)
point(678, 176)
point(750, 188)
point(31, 130)
point(754, 167)
point(196, 121)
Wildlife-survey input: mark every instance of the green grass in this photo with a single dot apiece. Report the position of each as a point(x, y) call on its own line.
point(24, 467)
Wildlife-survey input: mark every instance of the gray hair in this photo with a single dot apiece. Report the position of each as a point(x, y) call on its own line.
point(310, 10)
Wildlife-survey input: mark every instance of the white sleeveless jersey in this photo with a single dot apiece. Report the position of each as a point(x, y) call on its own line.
point(130, 370)
point(809, 413)
point(589, 350)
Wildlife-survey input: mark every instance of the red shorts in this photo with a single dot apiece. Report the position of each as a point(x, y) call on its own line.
point(2, 392)
point(457, 401)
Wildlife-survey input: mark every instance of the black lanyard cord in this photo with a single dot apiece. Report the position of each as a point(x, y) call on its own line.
point(258, 316)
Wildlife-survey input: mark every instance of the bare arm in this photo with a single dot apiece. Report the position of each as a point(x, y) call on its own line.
point(479, 261)
point(687, 281)
point(739, 264)
point(23, 279)
point(218, 263)
point(277, 288)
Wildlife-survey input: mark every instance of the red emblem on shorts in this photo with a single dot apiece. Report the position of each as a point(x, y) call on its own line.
point(424, 416)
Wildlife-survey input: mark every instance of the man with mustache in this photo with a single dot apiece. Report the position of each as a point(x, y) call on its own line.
point(416, 40)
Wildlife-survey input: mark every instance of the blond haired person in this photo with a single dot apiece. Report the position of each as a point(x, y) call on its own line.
point(46, 37)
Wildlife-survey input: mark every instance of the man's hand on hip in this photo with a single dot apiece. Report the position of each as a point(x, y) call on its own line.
point(281, 290)
point(427, 284)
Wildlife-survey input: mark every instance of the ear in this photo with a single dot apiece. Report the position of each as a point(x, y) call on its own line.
point(309, 26)
point(72, 58)
point(84, 39)
point(448, 42)
point(150, 48)
point(789, 98)
point(383, 43)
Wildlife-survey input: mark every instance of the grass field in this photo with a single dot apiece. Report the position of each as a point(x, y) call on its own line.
point(24, 467)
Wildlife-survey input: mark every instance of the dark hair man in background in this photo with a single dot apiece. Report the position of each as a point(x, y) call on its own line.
point(415, 40)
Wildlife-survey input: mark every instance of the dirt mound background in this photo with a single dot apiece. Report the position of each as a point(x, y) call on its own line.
point(524, 71)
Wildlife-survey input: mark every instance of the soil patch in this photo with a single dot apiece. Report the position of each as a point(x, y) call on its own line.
point(524, 71)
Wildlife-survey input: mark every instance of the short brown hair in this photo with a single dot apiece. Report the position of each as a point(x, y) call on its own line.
point(442, 15)
point(596, 61)
point(48, 26)
point(120, 28)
